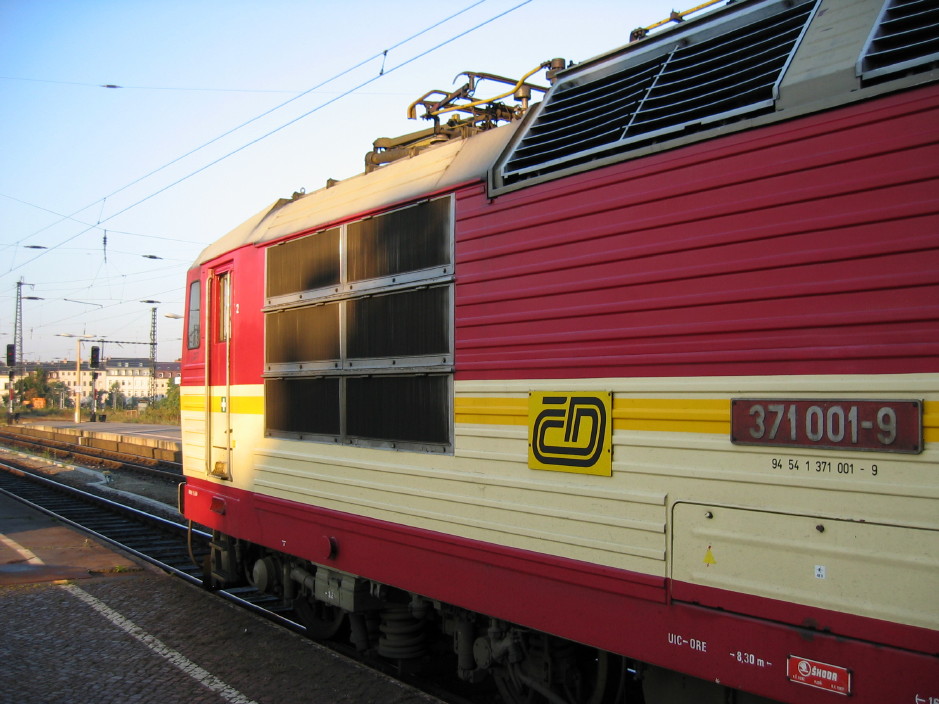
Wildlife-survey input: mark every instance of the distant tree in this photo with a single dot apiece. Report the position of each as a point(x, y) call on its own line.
point(58, 393)
point(166, 410)
point(34, 385)
point(37, 385)
point(118, 400)
point(171, 401)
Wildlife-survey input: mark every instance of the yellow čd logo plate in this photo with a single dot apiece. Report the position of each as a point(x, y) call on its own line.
point(570, 432)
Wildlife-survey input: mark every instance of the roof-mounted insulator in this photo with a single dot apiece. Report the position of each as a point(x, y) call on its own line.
point(555, 65)
point(642, 32)
point(388, 149)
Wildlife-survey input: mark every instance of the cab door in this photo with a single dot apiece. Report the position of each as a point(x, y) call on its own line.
point(218, 372)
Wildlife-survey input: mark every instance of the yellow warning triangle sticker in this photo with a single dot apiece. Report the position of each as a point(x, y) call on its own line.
point(709, 557)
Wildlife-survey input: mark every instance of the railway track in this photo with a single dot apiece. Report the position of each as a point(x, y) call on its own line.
point(171, 546)
point(149, 537)
point(167, 544)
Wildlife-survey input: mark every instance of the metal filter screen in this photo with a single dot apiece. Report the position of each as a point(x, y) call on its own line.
point(410, 239)
point(411, 323)
point(303, 334)
point(304, 264)
point(359, 332)
point(302, 406)
point(399, 408)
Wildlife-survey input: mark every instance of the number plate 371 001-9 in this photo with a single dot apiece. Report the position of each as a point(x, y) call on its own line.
point(884, 426)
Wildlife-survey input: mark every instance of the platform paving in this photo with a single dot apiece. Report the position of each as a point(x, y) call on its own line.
point(160, 442)
point(161, 432)
point(81, 623)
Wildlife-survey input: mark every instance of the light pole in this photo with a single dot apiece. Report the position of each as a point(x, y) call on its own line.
point(78, 369)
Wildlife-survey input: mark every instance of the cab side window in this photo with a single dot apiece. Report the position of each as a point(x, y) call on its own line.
point(194, 315)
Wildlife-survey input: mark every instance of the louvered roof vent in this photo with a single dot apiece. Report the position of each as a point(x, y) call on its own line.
point(905, 37)
point(690, 78)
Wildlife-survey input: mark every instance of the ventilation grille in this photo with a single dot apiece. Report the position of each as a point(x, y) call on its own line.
point(700, 79)
point(905, 37)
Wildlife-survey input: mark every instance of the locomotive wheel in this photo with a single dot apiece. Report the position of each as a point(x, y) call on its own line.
point(322, 621)
point(581, 675)
point(593, 677)
point(511, 687)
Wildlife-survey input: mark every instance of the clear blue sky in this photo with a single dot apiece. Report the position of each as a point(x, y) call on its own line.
point(189, 72)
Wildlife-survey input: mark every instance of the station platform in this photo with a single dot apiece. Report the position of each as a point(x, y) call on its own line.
point(144, 430)
point(161, 442)
point(84, 623)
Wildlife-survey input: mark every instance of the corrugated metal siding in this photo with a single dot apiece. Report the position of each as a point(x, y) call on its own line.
point(807, 247)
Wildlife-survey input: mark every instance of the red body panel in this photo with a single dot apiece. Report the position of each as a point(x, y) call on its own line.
point(192, 360)
point(246, 267)
point(709, 260)
point(620, 611)
point(806, 247)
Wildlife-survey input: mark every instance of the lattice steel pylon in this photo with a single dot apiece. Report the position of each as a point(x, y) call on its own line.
point(18, 328)
point(151, 391)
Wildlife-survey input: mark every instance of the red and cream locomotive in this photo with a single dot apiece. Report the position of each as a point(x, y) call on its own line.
point(637, 395)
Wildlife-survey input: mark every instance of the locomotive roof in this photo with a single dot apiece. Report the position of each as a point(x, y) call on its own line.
point(746, 64)
point(446, 166)
point(823, 53)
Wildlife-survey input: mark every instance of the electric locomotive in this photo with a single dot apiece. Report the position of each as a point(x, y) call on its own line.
point(630, 393)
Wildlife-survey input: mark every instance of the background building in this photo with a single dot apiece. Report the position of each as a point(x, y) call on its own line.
point(130, 377)
point(119, 381)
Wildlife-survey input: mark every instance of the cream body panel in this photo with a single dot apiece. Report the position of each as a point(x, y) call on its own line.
point(874, 570)
point(192, 428)
point(485, 491)
point(450, 497)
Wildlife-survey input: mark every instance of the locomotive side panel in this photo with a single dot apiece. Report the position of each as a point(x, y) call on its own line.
point(670, 434)
point(804, 247)
point(798, 250)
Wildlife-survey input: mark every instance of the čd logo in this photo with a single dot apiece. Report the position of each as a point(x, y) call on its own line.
point(570, 432)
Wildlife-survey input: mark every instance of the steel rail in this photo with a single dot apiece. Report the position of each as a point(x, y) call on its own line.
point(177, 531)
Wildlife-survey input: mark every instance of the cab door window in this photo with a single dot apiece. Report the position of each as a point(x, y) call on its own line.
point(224, 308)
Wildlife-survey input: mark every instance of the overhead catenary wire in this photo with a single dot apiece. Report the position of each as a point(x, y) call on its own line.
point(310, 112)
point(127, 87)
point(386, 71)
point(81, 222)
point(252, 142)
point(254, 119)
